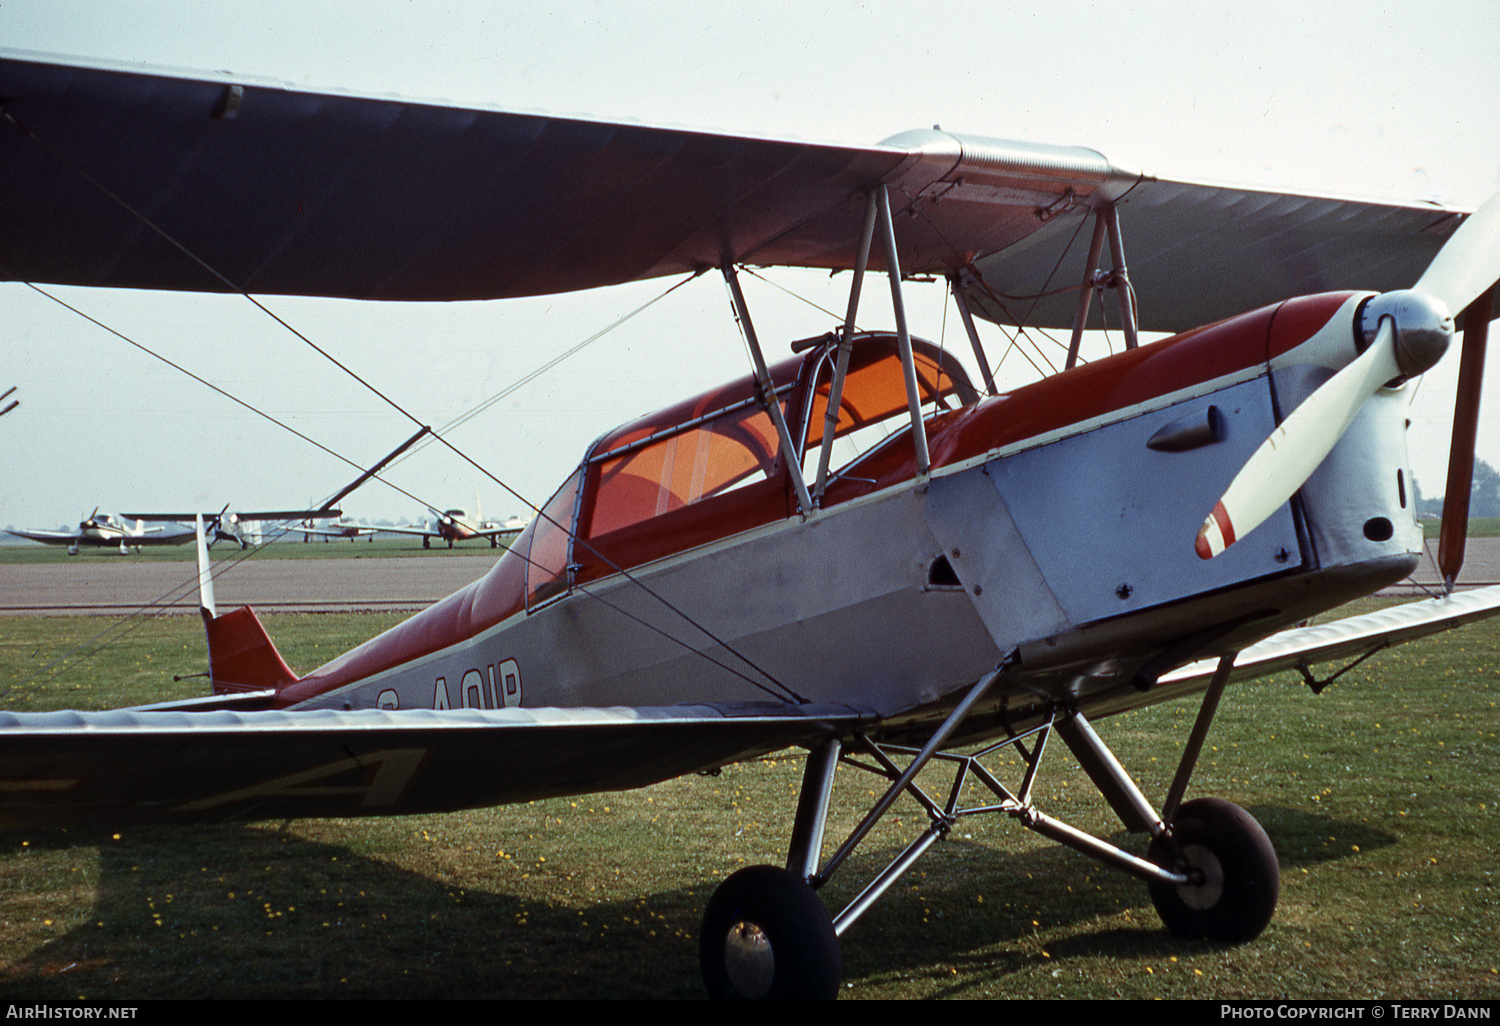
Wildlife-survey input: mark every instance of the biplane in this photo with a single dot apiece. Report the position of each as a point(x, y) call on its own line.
point(858, 549)
point(242, 528)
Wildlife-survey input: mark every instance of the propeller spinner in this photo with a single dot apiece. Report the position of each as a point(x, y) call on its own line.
point(1408, 331)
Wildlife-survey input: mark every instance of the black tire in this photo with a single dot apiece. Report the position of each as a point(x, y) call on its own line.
point(1242, 880)
point(766, 935)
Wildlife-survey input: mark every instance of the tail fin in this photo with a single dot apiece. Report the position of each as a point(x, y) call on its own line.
point(241, 656)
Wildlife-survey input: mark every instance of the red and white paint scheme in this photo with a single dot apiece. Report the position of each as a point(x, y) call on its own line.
point(677, 511)
point(857, 550)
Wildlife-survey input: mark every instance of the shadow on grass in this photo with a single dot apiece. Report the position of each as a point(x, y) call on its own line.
point(257, 913)
point(1307, 839)
point(928, 930)
point(296, 918)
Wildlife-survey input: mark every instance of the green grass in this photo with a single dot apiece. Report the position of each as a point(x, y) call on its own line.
point(1479, 527)
point(1380, 794)
point(103, 662)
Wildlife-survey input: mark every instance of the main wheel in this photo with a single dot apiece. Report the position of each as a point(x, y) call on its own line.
point(767, 935)
point(1241, 880)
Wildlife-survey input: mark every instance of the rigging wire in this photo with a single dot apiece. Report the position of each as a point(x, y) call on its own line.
point(234, 288)
point(532, 375)
point(172, 597)
point(795, 295)
point(202, 381)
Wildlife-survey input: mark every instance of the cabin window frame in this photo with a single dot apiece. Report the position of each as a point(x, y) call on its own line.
point(773, 467)
point(539, 593)
point(827, 355)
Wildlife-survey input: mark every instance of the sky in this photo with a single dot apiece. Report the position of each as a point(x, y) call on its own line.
point(1380, 100)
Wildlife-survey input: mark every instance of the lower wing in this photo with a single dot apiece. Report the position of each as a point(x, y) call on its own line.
point(170, 763)
point(134, 765)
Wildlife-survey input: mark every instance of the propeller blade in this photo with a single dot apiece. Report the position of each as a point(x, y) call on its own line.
point(1453, 535)
point(1468, 263)
point(1288, 458)
point(1466, 267)
point(1462, 275)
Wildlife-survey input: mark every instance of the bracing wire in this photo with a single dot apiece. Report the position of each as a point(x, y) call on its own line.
point(532, 375)
point(233, 287)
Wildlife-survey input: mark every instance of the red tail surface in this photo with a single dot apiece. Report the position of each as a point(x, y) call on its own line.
point(241, 656)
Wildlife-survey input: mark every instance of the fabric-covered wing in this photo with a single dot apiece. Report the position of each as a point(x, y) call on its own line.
point(1303, 647)
point(173, 766)
point(118, 178)
point(286, 192)
point(1198, 253)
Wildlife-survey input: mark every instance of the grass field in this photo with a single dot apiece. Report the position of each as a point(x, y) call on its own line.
point(1380, 794)
point(1479, 527)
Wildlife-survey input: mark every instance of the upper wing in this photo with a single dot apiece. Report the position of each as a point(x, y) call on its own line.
point(117, 178)
point(1199, 252)
point(284, 514)
point(139, 765)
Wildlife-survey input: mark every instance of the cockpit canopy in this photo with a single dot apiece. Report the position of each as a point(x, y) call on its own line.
point(711, 466)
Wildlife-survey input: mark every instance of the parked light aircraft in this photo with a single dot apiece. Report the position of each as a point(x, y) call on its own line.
point(340, 528)
point(977, 572)
point(242, 528)
point(456, 525)
point(451, 525)
point(108, 530)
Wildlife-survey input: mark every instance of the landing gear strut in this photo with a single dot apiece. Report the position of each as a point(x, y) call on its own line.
point(1210, 867)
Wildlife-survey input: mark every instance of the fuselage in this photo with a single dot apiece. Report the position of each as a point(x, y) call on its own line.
point(102, 529)
point(1057, 523)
